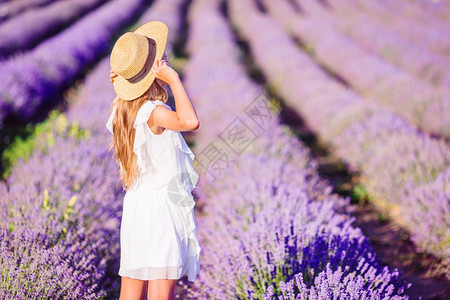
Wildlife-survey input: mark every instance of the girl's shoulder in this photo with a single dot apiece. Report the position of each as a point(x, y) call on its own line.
point(146, 109)
point(158, 102)
point(145, 112)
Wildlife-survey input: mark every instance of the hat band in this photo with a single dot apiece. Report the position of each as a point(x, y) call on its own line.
point(139, 75)
point(147, 65)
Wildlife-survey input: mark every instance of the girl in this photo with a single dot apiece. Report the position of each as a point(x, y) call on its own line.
point(158, 236)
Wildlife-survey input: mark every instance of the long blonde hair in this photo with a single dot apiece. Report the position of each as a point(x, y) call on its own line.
point(124, 132)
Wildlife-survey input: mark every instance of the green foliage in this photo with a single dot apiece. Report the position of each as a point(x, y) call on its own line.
point(382, 216)
point(41, 137)
point(360, 194)
point(177, 63)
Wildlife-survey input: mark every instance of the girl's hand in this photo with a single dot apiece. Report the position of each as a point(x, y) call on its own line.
point(164, 72)
point(112, 75)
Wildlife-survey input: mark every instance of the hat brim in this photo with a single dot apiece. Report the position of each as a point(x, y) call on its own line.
point(127, 90)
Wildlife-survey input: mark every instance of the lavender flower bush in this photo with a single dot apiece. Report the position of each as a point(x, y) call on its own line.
point(268, 215)
point(51, 242)
point(394, 37)
point(424, 30)
point(391, 154)
point(9, 9)
point(37, 78)
point(426, 13)
point(30, 28)
point(371, 75)
point(337, 284)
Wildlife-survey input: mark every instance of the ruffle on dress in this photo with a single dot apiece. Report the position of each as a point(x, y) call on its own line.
point(170, 155)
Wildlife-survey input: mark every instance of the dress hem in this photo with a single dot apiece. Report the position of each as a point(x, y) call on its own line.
point(181, 271)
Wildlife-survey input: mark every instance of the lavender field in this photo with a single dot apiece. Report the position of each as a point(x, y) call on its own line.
point(323, 150)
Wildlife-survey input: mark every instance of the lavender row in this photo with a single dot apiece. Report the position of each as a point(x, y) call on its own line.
point(267, 214)
point(421, 11)
point(426, 107)
point(13, 8)
point(52, 246)
point(60, 224)
point(396, 161)
point(429, 34)
point(32, 27)
point(36, 79)
point(392, 45)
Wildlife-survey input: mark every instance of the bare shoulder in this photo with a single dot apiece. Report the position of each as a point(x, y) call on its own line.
point(161, 114)
point(154, 127)
point(166, 118)
point(161, 110)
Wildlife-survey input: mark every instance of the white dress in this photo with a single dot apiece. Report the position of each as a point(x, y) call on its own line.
point(158, 233)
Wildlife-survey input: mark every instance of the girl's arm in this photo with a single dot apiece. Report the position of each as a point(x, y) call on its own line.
point(185, 117)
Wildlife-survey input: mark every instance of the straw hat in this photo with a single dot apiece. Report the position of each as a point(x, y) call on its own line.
point(133, 56)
